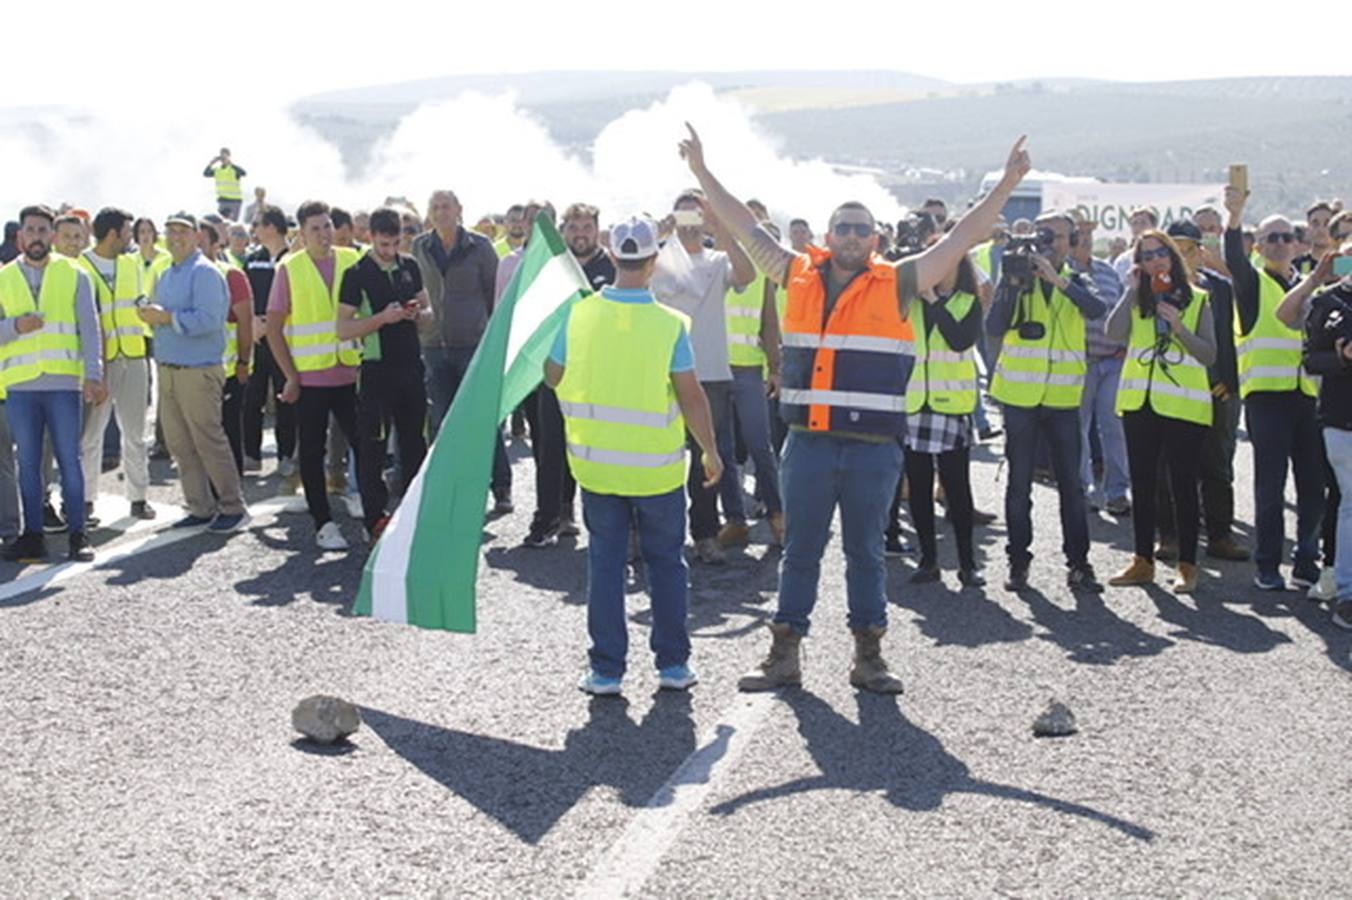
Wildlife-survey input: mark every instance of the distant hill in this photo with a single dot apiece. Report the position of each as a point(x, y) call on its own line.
point(1293, 132)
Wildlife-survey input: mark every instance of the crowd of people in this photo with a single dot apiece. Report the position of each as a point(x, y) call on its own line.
point(846, 370)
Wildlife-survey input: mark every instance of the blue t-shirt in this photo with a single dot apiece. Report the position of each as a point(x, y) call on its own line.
point(682, 354)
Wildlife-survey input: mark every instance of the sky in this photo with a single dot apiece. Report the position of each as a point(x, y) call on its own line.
point(262, 46)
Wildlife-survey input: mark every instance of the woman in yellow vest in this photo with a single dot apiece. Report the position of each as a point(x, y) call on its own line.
point(1164, 397)
point(940, 398)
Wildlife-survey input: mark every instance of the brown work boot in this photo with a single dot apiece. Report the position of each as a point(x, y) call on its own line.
point(780, 667)
point(870, 670)
point(734, 534)
point(1140, 571)
point(1186, 580)
point(1226, 548)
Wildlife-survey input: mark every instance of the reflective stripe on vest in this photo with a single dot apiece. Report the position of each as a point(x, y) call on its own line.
point(312, 328)
point(848, 373)
point(230, 358)
point(625, 431)
point(227, 183)
point(1047, 371)
point(944, 379)
point(124, 334)
point(1178, 390)
point(53, 349)
point(1270, 354)
point(744, 324)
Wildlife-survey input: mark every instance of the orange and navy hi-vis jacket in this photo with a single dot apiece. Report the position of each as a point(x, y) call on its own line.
point(847, 374)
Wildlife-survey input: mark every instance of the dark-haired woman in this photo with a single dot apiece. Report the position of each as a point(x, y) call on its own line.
point(1164, 397)
point(940, 398)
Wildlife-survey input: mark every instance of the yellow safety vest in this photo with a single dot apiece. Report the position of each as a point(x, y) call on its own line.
point(151, 274)
point(1176, 384)
point(502, 248)
point(1046, 371)
point(54, 349)
point(1269, 355)
point(231, 355)
point(625, 431)
point(312, 327)
point(124, 334)
point(943, 377)
point(981, 256)
point(227, 183)
point(744, 324)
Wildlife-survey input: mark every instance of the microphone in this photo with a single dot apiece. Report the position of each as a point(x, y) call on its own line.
point(1161, 285)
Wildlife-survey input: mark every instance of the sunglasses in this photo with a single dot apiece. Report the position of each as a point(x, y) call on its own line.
point(844, 229)
point(1148, 255)
point(1281, 237)
point(410, 231)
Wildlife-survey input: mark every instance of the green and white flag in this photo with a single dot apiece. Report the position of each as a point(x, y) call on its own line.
point(423, 570)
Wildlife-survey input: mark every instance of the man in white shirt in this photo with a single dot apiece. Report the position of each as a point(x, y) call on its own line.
point(695, 279)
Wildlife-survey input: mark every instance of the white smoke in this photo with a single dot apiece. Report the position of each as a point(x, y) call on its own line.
point(486, 148)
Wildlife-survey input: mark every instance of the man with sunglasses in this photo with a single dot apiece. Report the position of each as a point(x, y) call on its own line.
point(1278, 396)
point(847, 357)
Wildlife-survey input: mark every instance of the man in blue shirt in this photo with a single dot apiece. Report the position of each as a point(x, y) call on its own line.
point(188, 315)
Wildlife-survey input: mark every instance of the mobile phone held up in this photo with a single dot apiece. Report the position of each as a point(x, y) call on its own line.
point(688, 218)
point(1239, 177)
point(1342, 266)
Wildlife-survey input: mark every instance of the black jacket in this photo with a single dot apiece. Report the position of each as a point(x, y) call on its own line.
point(1330, 319)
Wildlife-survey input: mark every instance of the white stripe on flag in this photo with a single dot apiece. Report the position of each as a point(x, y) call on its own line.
point(555, 281)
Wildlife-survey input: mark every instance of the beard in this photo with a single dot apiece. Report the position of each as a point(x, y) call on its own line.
point(36, 251)
point(582, 247)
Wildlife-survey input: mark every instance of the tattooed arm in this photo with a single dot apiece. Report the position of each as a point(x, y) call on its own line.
point(765, 251)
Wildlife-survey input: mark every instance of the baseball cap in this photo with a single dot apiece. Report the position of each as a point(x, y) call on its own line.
point(634, 238)
point(1184, 228)
point(182, 218)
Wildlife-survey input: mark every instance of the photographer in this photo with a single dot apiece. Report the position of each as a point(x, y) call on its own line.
point(1328, 352)
point(1164, 397)
point(1040, 311)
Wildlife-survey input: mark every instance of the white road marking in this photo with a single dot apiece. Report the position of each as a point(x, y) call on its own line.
point(633, 858)
point(144, 536)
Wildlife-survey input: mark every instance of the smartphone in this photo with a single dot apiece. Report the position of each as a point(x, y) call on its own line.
point(688, 218)
point(1342, 265)
point(1212, 242)
point(1239, 177)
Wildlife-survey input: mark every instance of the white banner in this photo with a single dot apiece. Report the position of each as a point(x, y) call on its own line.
point(1110, 204)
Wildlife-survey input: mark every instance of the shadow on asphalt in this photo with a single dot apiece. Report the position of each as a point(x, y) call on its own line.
point(314, 748)
point(1209, 621)
point(330, 578)
point(529, 789)
point(885, 752)
point(561, 569)
point(1091, 632)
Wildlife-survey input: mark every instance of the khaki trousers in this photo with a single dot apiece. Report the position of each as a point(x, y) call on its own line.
point(190, 410)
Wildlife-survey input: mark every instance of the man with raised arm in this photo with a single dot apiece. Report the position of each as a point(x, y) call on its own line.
point(847, 356)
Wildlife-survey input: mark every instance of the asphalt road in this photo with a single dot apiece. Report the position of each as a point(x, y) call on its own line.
point(148, 748)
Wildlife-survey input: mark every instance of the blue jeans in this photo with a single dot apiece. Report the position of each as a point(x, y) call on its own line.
point(1282, 426)
point(1338, 446)
point(819, 473)
point(660, 522)
point(445, 368)
point(30, 414)
point(1059, 430)
point(750, 417)
point(1097, 407)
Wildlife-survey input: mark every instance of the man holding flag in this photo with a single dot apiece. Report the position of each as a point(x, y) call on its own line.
point(624, 371)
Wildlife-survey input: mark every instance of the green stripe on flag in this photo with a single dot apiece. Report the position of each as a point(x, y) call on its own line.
point(424, 568)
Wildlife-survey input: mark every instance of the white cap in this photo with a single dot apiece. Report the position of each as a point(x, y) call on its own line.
point(634, 238)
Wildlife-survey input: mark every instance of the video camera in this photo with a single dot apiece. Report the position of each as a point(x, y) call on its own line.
point(1016, 262)
point(913, 235)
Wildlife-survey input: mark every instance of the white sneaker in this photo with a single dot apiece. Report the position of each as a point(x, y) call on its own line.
point(1325, 588)
point(330, 538)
